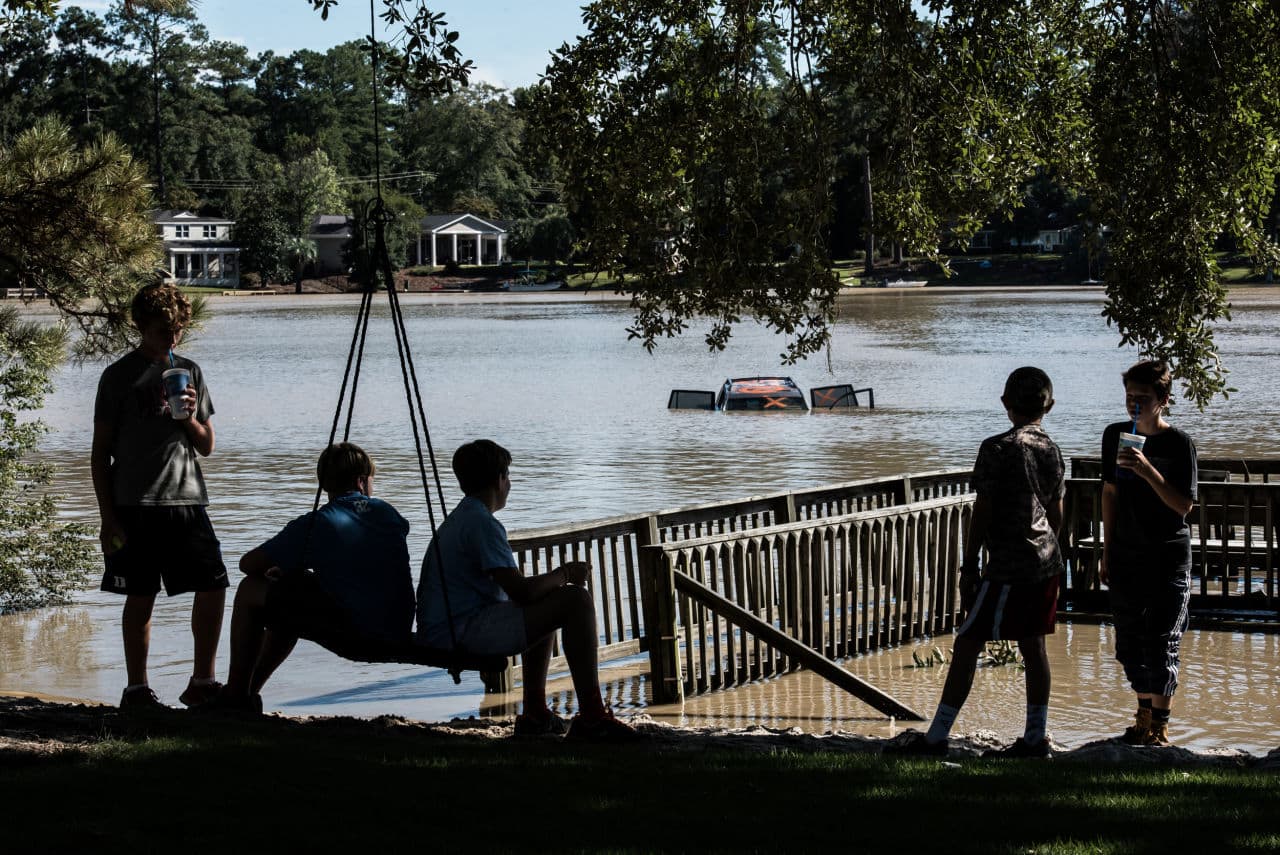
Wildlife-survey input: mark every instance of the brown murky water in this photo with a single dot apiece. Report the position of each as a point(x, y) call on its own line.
point(583, 412)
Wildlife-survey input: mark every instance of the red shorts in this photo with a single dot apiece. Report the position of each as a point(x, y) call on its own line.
point(1012, 611)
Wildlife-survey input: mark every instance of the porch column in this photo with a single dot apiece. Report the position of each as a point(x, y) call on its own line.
point(419, 259)
point(455, 247)
point(433, 249)
point(498, 260)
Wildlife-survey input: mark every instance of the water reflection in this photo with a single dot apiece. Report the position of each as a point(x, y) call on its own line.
point(583, 412)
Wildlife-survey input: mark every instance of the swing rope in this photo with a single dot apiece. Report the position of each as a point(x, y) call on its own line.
point(378, 261)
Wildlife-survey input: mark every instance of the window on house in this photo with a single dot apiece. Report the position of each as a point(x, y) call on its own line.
point(182, 231)
point(210, 231)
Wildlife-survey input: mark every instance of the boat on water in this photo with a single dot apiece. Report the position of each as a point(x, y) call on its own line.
point(767, 395)
point(900, 283)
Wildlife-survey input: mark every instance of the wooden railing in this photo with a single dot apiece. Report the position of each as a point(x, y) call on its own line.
point(852, 567)
point(839, 586)
point(613, 545)
point(1235, 544)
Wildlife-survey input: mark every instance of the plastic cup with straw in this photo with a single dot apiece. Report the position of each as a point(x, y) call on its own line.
point(175, 382)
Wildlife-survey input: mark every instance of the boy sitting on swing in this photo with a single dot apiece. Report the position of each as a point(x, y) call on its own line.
point(487, 607)
point(337, 576)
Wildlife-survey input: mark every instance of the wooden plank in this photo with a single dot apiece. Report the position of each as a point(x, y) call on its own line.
point(813, 660)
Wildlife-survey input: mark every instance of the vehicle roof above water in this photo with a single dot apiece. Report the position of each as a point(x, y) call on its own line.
point(761, 393)
point(755, 386)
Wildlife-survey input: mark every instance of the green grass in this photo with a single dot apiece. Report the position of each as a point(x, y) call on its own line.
point(280, 786)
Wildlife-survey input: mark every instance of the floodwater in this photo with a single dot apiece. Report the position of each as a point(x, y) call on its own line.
point(583, 412)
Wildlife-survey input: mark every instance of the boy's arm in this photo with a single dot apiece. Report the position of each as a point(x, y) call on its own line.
point(256, 562)
point(110, 535)
point(1054, 513)
point(199, 432)
point(527, 589)
point(1108, 528)
point(979, 522)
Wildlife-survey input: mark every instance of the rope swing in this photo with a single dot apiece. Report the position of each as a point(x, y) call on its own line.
point(378, 259)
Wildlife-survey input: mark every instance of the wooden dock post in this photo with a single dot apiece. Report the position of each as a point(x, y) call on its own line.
point(658, 595)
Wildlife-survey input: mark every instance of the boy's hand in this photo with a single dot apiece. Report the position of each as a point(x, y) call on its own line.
point(1136, 462)
point(189, 400)
point(576, 572)
point(111, 536)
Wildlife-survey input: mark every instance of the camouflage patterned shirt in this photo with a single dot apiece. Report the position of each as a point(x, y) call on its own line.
point(1020, 473)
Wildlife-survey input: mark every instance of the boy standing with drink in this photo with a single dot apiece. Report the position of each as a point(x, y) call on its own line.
point(151, 494)
point(1019, 479)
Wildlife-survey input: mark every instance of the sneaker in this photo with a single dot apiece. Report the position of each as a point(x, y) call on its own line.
point(1021, 748)
point(540, 725)
point(603, 728)
point(141, 699)
point(226, 704)
point(1136, 733)
point(195, 695)
point(1158, 735)
point(913, 744)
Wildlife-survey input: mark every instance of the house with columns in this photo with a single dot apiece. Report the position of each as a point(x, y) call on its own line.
point(198, 250)
point(462, 238)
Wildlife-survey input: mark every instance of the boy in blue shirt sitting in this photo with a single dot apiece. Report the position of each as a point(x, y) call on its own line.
point(337, 574)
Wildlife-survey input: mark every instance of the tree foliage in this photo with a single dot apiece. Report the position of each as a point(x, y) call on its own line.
point(73, 223)
point(698, 172)
point(1184, 106)
point(42, 561)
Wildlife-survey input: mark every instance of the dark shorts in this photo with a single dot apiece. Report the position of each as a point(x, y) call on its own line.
point(297, 606)
point(1005, 611)
point(170, 543)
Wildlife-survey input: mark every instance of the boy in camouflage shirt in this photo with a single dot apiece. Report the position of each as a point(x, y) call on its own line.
point(1019, 481)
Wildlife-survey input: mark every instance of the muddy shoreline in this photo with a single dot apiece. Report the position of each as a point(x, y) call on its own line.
point(33, 729)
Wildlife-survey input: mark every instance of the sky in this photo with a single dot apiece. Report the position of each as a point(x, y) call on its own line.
point(507, 40)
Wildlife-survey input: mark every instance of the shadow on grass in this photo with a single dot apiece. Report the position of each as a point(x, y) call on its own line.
point(183, 783)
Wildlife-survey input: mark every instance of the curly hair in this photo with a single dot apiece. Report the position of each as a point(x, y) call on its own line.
point(161, 302)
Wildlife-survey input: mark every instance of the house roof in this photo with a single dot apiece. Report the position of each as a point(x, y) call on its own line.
point(180, 217)
point(438, 222)
point(329, 226)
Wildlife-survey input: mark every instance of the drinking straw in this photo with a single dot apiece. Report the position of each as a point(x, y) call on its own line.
point(172, 365)
point(1137, 408)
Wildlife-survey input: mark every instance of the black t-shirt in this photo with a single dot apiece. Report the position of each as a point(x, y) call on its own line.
point(1141, 517)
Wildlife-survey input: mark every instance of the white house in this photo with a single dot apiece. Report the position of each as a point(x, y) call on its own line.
point(463, 238)
point(198, 250)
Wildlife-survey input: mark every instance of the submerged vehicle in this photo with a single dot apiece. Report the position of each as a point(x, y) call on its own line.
point(767, 394)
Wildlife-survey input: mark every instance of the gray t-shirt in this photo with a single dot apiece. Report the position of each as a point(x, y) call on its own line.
point(470, 543)
point(152, 460)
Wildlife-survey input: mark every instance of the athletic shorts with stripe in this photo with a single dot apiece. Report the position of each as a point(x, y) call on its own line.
point(175, 544)
point(1012, 611)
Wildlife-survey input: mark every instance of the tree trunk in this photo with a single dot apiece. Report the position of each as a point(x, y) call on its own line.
point(868, 217)
point(157, 131)
point(897, 252)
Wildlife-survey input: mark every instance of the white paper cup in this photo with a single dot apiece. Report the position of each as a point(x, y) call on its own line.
point(176, 381)
point(1132, 440)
